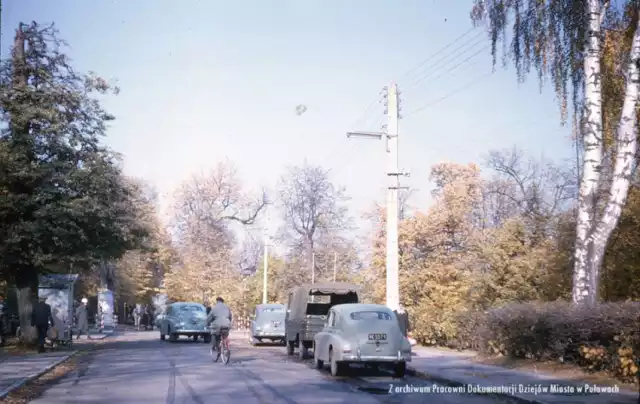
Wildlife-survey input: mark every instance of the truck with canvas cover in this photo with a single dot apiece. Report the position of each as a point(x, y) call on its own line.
point(307, 311)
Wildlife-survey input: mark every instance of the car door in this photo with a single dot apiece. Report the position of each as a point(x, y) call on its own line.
point(325, 336)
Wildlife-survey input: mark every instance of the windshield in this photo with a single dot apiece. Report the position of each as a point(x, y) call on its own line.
point(370, 315)
point(271, 313)
point(191, 310)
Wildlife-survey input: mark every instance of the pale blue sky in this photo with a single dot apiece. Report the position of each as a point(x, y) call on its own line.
point(206, 80)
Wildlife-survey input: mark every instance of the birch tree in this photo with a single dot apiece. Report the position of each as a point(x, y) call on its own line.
point(561, 40)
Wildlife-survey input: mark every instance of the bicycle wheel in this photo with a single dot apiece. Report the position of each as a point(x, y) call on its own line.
point(226, 353)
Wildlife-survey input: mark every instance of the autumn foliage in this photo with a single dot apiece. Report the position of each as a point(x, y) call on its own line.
point(488, 267)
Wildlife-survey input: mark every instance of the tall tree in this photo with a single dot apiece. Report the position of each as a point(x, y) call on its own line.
point(64, 198)
point(205, 207)
point(562, 40)
point(313, 208)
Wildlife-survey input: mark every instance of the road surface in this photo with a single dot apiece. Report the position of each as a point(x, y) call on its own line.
point(139, 368)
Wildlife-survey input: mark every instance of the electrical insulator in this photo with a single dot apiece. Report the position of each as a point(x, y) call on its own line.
point(386, 111)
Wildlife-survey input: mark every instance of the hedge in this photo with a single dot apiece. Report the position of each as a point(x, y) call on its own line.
point(601, 338)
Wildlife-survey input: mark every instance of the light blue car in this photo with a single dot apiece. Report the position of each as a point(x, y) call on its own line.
point(268, 323)
point(186, 319)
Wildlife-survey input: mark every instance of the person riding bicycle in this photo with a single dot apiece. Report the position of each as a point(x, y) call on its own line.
point(220, 316)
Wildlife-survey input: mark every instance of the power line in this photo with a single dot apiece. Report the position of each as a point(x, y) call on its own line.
point(449, 70)
point(469, 84)
point(447, 46)
point(452, 57)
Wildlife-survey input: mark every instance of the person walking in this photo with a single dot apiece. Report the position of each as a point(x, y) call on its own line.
point(137, 315)
point(403, 320)
point(82, 318)
point(41, 316)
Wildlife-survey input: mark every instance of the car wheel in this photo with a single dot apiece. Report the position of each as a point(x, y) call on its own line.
point(207, 339)
point(336, 368)
point(162, 337)
point(290, 347)
point(195, 338)
point(317, 363)
point(399, 370)
point(173, 337)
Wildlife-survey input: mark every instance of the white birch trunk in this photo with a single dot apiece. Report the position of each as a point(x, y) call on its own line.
point(592, 132)
point(626, 147)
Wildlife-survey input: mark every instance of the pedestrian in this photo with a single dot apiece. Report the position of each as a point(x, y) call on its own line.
point(403, 320)
point(137, 315)
point(41, 316)
point(82, 318)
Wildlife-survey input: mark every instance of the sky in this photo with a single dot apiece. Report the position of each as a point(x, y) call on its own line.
point(205, 81)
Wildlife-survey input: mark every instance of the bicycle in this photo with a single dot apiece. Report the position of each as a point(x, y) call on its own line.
point(222, 347)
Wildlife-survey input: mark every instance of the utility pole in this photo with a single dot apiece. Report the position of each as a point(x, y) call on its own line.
point(313, 267)
point(392, 105)
point(265, 262)
point(335, 265)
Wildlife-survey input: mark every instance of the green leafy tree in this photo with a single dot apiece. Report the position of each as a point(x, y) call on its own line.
point(64, 198)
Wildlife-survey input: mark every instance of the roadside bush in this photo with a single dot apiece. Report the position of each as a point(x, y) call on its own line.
point(601, 338)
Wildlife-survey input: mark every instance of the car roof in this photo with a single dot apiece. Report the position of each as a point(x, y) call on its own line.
point(354, 307)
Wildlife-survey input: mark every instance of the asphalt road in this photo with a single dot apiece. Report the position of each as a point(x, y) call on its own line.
point(139, 368)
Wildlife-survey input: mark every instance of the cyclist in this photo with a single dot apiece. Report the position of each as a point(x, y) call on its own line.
point(220, 316)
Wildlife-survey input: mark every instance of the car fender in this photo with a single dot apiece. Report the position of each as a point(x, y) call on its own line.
point(337, 342)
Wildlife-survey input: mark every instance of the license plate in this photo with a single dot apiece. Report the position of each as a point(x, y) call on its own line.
point(377, 337)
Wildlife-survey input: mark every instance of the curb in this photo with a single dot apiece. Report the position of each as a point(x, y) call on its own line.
point(4, 393)
point(455, 383)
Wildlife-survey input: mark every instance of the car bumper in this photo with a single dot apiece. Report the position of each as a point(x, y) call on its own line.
point(406, 357)
point(269, 334)
point(192, 332)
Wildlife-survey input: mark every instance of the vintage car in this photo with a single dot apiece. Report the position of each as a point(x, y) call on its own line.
point(186, 319)
point(307, 311)
point(268, 323)
point(361, 334)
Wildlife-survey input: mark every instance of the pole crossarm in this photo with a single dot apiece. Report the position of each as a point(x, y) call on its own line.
point(368, 135)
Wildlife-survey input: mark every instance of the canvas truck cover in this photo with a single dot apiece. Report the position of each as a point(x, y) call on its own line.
point(300, 295)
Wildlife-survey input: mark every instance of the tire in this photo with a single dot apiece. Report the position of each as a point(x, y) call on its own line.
point(317, 363)
point(162, 337)
point(399, 370)
point(173, 337)
point(207, 339)
point(290, 347)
